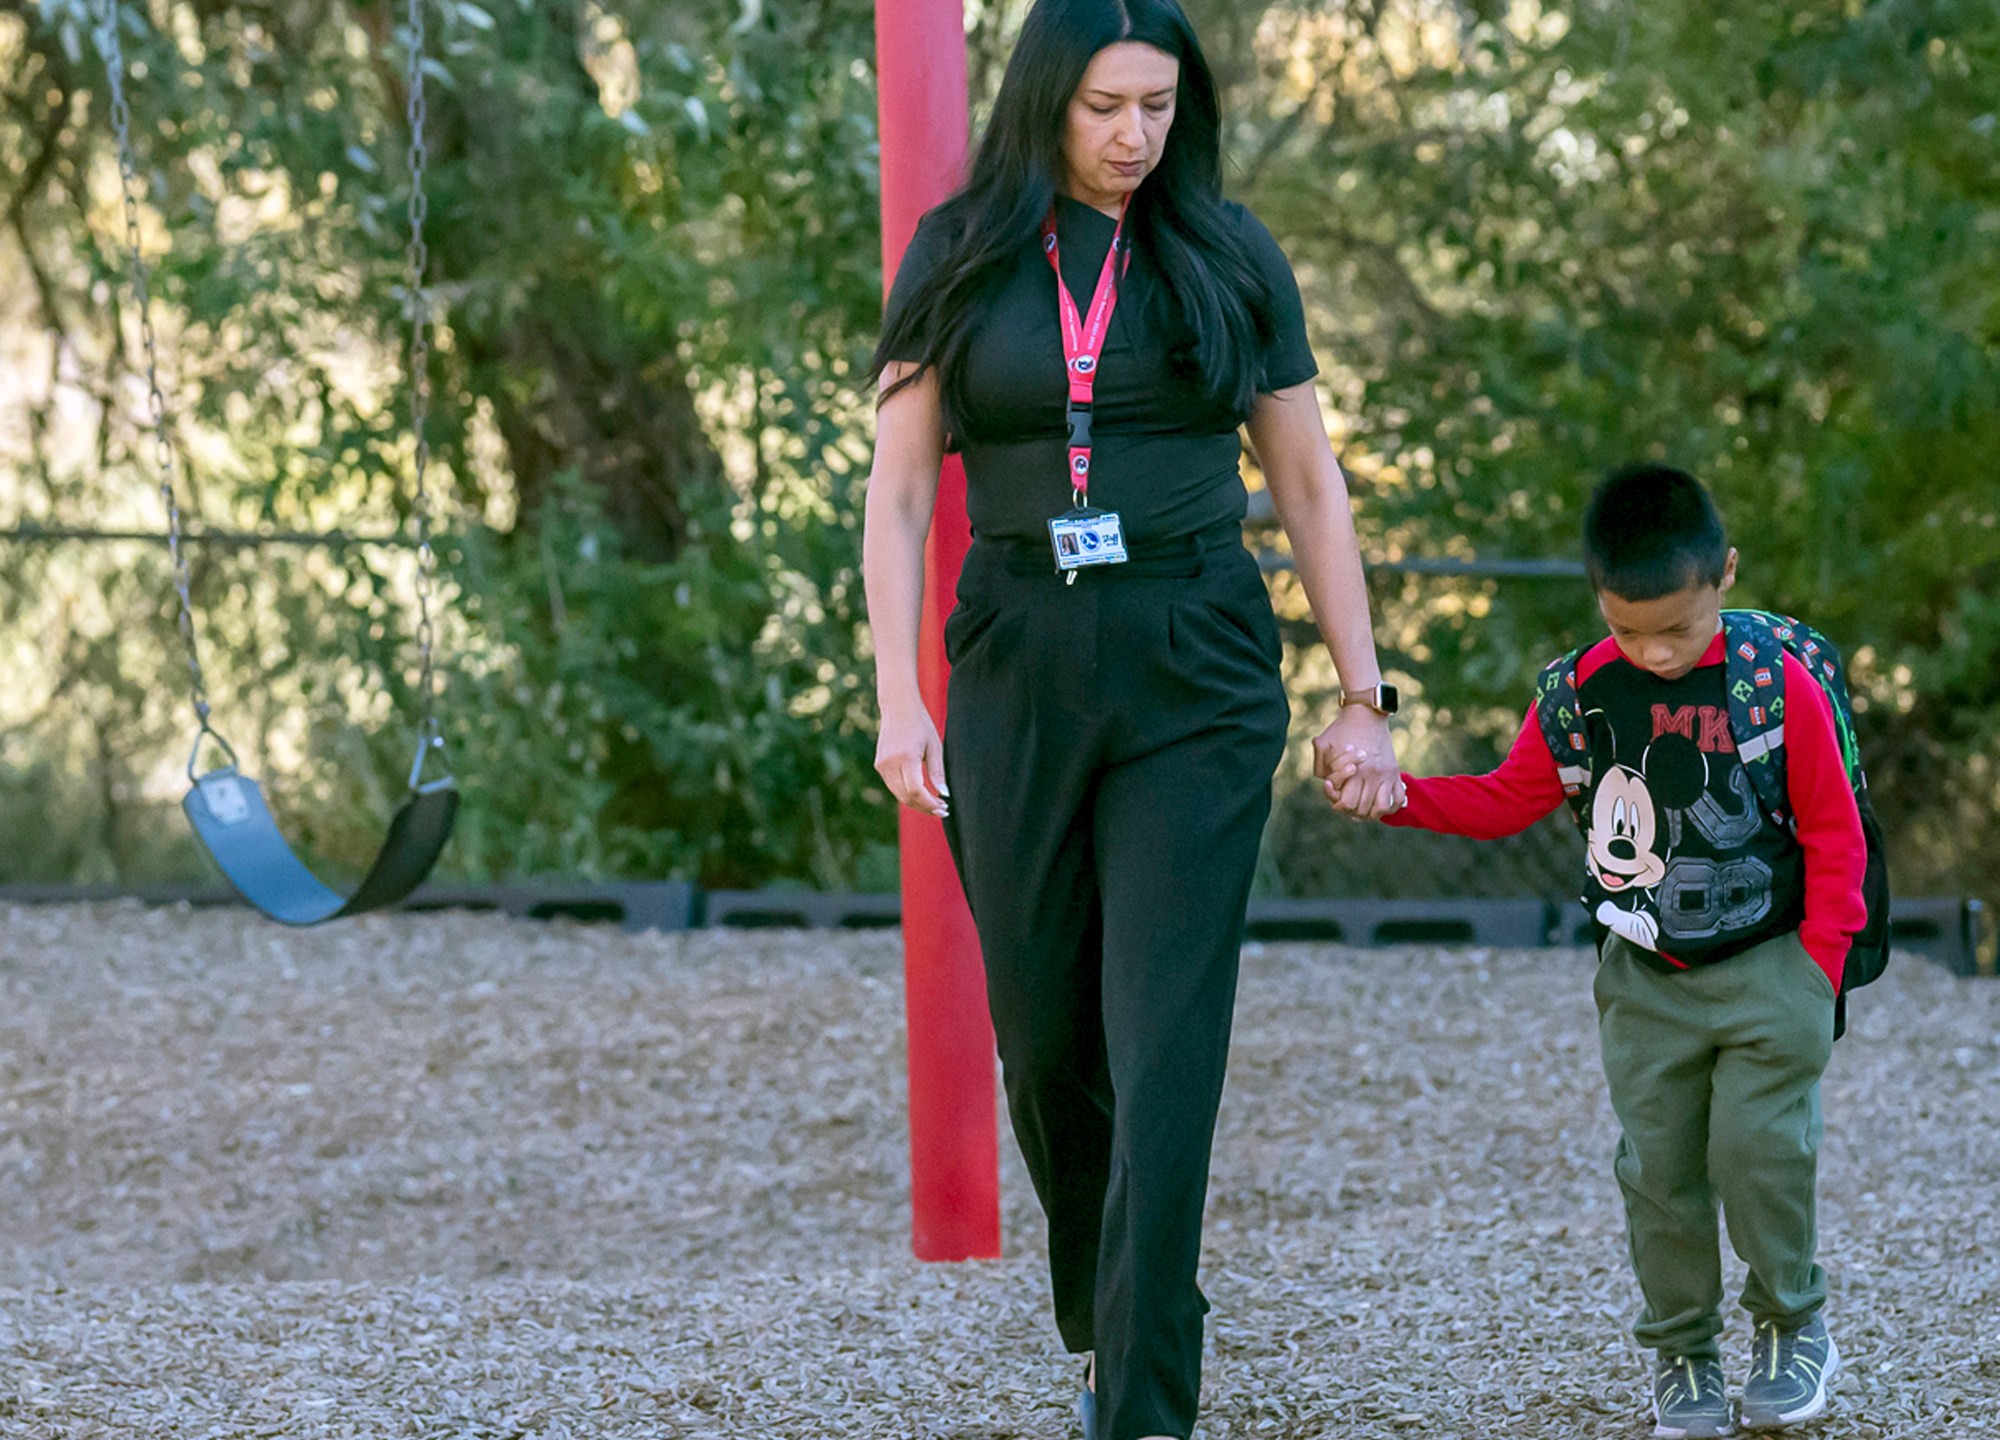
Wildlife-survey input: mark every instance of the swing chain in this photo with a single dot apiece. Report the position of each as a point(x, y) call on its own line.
point(430, 735)
point(137, 279)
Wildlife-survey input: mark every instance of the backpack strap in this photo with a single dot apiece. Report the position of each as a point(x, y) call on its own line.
point(1822, 658)
point(1754, 676)
point(1560, 715)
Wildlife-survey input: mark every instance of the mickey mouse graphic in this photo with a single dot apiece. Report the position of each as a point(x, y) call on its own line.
point(1624, 831)
point(1628, 856)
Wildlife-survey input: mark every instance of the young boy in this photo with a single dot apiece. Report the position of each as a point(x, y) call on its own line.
point(1723, 936)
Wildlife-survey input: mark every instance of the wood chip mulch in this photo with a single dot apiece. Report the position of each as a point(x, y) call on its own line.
point(456, 1176)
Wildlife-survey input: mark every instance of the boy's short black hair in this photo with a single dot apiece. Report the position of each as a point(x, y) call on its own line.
point(1651, 530)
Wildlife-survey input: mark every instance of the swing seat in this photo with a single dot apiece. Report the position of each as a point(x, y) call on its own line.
point(227, 810)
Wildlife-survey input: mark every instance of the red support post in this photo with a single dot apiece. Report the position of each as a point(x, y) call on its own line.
point(954, 1139)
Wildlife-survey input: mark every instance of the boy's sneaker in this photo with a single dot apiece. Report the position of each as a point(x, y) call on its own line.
point(1689, 1402)
point(1791, 1373)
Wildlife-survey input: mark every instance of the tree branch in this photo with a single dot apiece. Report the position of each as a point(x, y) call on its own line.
point(37, 170)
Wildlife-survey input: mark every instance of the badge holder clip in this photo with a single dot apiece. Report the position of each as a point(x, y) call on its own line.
point(1084, 535)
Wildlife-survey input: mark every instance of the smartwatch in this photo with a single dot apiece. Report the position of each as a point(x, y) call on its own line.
point(1381, 698)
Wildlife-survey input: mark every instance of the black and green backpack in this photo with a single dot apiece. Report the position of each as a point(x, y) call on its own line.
point(1754, 674)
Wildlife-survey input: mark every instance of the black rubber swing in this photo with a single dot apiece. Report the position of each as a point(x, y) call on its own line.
point(236, 827)
point(226, 807)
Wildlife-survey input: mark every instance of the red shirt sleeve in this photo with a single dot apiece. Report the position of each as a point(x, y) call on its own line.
point(1829, 825)
point(1502, 802)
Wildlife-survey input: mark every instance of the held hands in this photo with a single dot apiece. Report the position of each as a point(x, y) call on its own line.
point(909, 757)
point(1355, 757)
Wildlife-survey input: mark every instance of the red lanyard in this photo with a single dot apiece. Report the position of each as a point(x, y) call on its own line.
point(1083, 343)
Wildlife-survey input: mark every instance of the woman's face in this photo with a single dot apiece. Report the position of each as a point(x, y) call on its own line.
point(1116, 128)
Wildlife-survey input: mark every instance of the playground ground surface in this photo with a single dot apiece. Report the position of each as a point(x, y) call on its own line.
point(459, 1176)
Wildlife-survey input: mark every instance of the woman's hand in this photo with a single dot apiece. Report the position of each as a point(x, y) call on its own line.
point(1355, 757)
point(909, 757)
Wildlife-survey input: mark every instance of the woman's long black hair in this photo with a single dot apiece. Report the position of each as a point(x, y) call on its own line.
point(1221, 303)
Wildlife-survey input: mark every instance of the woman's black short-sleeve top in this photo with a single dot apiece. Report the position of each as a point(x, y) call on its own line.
point(1164, 449)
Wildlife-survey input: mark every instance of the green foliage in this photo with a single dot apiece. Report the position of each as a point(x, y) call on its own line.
point(1760, 241)
point(653, 236)
point(1534, 240)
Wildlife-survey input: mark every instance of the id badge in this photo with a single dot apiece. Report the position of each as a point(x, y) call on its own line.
point(1087, 536)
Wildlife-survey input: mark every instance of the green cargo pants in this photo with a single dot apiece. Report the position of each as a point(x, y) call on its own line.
point(1714, 1075)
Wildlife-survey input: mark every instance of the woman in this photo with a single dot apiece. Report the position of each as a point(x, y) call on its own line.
point(1090, 323)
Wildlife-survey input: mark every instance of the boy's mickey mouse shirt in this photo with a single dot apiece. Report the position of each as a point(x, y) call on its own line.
point(1682, 860)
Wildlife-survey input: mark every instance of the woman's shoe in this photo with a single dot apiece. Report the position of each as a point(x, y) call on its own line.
point(1086, 1411)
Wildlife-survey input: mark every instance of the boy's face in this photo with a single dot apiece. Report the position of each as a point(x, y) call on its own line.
point(1668, 635)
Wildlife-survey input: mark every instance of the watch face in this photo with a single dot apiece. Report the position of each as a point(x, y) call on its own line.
point(1390, 700)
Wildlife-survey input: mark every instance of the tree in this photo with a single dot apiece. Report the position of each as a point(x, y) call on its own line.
point(644, 228)
point(1759, 242)
point(1534, 239)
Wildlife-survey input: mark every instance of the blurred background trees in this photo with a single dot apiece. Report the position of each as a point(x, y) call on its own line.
point(1760, 241)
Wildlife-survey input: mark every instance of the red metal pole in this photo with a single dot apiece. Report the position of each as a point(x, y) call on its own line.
point(954, 1140)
